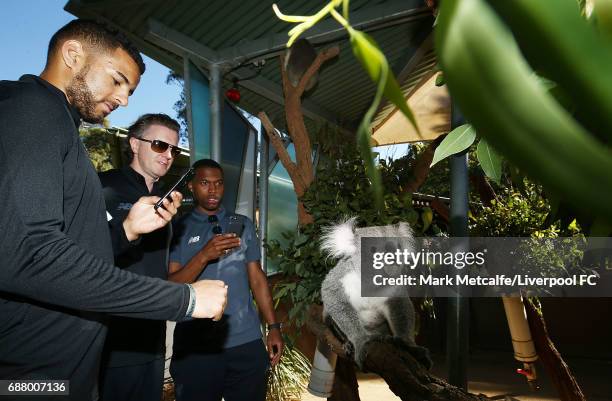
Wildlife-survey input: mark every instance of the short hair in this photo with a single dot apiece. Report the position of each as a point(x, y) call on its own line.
point(95, 35)
point(138, 128)
point(207, 163)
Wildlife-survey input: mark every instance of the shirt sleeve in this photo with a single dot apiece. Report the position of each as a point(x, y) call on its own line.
point(37, 260)
point(119, 239)
point(253, 251)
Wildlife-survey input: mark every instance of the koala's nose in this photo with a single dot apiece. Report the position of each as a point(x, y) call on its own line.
point(390, 246)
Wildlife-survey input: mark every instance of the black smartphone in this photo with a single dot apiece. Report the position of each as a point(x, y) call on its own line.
point(235, 226)
point(186, 177)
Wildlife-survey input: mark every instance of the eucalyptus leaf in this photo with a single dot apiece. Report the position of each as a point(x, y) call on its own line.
point(375, 63)
point(456, 141)
point(490, 160)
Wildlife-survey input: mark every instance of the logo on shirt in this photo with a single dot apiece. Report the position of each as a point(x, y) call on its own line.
point(124, 206)
point(193, 240)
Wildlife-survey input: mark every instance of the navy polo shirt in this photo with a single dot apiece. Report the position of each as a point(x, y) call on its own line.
point(240, 323)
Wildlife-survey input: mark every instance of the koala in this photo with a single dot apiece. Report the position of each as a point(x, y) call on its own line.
point(362, 319)
point(299, 58)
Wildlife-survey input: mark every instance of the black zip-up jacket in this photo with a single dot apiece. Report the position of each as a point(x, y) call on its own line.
point(134, 341)
point(56, 271)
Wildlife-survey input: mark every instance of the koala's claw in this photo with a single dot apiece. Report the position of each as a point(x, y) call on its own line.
point(348, 348)
point(421, 354)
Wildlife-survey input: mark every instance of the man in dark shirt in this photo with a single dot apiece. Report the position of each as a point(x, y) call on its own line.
point(133, 361)
point(56, 271)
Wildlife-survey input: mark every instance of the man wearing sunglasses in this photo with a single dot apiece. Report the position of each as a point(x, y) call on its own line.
point(133, 359)
point(57, 277)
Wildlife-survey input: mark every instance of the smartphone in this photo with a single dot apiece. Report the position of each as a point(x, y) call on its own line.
point(186, 177)
point(235, 226)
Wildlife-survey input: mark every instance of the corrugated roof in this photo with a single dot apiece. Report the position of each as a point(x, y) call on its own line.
point(228, 27)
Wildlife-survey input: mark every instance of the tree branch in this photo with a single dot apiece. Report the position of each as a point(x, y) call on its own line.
point(288, 89)
point(422, 166)
point(323, 333)
point(392, 361)
point(283, 155)
point(560, 374)
point(321, 58)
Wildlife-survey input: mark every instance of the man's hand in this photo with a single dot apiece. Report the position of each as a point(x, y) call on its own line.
point(275, 346)
point(211, 298)
point(219, 245)
point(143, 218)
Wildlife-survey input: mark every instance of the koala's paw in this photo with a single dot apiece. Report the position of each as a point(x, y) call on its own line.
point(421, 354)
point(349, 349)
point(360, 348)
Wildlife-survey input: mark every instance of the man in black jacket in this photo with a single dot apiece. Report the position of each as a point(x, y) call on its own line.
point(56, 260)
point(133, 361)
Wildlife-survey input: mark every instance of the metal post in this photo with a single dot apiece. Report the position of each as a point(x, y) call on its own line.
point(458, 307)
point(263, 195)
point(216, 103)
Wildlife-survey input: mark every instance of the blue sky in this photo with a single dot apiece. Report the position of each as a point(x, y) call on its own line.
point(25, 31)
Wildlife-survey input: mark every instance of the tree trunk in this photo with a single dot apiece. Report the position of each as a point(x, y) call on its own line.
point(302, 170)
point(558, 371)
point(345, 387)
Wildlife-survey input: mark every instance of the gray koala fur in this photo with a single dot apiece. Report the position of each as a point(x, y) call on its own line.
point(362, 319)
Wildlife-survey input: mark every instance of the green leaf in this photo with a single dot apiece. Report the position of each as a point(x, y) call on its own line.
point(440, 79)
point(426, 217)
point(567, 49)
point(456, 141)
point(489, 160)
point(375, 63)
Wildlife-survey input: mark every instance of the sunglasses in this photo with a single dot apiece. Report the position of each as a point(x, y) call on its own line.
point(214, 220)
point(161, 146)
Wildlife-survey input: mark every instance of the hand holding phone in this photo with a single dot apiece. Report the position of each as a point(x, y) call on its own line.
point(184, 178)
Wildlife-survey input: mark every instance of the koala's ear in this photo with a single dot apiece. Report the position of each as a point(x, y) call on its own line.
point(404, 230)
point(339, 240)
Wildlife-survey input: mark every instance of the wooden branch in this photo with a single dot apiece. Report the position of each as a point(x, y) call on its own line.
point(485, 190)
point(283, 155)
point(392, 361)
point(346, 386)
point(558, 371)
point(421, 167)
point(321, 58)
point(440, 207)
point(407, 378)
point(302, 171)
point(323, 333)
point(288, 89)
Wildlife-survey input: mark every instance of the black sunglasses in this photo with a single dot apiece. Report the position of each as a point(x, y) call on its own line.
point(161, 146)
point(213, 219)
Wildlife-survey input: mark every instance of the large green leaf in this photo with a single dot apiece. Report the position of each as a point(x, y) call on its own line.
point(495, 89)
point(456, 141)
point(489, 160)
point(560, 43)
